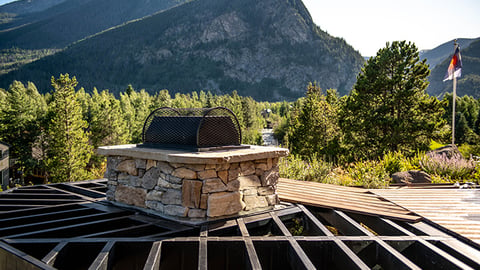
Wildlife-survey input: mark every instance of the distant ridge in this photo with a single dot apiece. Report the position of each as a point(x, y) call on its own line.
point(58, 23)
point(469, 83)
point(440, 53)
point(28, 6)
point(267, 49)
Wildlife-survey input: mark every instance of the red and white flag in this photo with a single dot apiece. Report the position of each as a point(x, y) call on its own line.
point(455, 67)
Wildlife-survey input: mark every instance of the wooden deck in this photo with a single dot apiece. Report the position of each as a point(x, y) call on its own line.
point(455, 209)
point(342, 198)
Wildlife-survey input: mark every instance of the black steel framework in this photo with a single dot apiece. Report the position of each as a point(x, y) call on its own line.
point(191, 128)
point(71, 226)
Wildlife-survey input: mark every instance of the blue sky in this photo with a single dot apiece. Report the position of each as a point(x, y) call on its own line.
point(4, 1)
point(368, 24)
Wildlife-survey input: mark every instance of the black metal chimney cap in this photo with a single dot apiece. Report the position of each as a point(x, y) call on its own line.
point(198, 129)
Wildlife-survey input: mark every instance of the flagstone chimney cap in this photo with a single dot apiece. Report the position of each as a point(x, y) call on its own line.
point(188, 157)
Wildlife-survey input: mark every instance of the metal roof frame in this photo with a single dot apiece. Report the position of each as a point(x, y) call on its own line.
point(72, 226)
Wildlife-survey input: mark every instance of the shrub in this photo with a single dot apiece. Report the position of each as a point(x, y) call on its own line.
point(369, 174)
point(314, 169)
point(453, 168)
point(392, 162)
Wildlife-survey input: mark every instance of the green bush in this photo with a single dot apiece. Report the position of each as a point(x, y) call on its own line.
point(252, 136)
point(398, 162)
point(392, 162)
point(293, 167)
point(369, 174)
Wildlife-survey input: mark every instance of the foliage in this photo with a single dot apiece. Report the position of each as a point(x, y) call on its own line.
point(98, 118)
point(308, 126)
point(313, 128)
point(182, 52)
point(313, 169)
point(398, 162)
point(297, 229)
point(435, 145)
point(451, 168)
point(467, 123)
point(22, 111)
point(135, 106)
point(369, 174)
point(56, 24)
point(69, 150)
point(388, 109)
point(14, 58)
point(392, 162)
point(106, 124)
point(6, 17)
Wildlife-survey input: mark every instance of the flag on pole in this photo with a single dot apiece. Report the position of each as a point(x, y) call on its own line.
point(455, 67)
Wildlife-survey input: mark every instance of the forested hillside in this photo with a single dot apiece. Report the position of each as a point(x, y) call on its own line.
point(265, 49)
point(22, 7)
point(68, 21)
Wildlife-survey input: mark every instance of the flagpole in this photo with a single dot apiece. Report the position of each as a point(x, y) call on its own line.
point(453, 108)
point(454, 97)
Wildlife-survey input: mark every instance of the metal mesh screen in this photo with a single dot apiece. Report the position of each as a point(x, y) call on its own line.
point(199, 127)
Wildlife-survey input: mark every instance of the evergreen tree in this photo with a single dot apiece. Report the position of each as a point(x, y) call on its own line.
point(21, 113)
point(389, 109)
point(136, 106)
point(476, 127)
point(211, 100)
point(107, 124)
point(462, 130)
point(3, 98)
point(252, 122)
point(313, 129)
point(69, 151)
point(161, 99)
point(469, 109)
point(249, 112)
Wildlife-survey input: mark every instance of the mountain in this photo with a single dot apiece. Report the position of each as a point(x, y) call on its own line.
point(469, 83)
point(22, 7)
point(267, 49)
point(438, 54)
point(60, 22)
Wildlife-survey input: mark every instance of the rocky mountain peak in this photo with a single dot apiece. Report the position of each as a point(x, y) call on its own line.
point(268, 49)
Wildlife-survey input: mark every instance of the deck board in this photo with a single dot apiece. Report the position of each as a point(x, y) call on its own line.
point(352, 199)
point(455, 209)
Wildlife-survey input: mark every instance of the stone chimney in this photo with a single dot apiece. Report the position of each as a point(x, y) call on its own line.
point(178, 183)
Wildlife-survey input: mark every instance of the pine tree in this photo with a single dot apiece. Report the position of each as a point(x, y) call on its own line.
point(161, 99)
point(462, 131)
point(69, 151)
point(107, 126)
point(3, 98)
point(314, 130)
point(389, 109)
point(21, 113)
point(135, 106)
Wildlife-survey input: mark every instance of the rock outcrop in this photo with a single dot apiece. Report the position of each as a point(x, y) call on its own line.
point(268, 49)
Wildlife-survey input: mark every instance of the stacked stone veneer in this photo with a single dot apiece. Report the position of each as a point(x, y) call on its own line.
point(193, 190)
